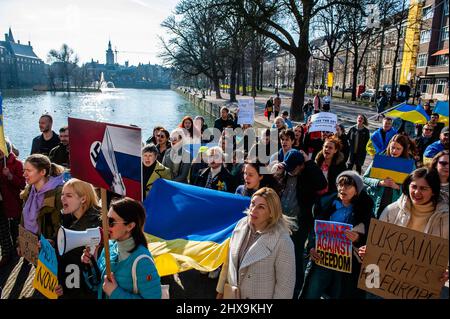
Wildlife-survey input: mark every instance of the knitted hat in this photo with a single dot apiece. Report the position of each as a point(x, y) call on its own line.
point(356, 178)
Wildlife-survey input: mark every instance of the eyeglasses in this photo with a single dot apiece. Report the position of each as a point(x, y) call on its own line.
point(112, 222)
point(428, 129)
point(443, 163)
point(420, 188)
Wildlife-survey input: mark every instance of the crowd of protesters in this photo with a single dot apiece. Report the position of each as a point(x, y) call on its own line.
point(293, 177)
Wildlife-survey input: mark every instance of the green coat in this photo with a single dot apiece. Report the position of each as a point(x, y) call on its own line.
point(376, 192)
point(160, 171)
point(49, 217)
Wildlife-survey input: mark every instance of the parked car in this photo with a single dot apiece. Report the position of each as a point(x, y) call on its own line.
point(348, 90)
point(368, 94)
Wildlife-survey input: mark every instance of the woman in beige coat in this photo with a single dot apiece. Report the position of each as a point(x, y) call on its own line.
point(261, 259)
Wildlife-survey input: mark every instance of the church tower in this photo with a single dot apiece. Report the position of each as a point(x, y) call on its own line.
point(109, 55)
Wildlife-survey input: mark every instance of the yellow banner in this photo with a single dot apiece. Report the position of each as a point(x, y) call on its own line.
point(330, 79)
point(45, 281)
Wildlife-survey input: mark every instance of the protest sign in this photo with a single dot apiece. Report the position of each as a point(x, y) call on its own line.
point(46, 277)
point(401, 263)
point(323, 122)
point(333, 245)
point(246, 111)
point(396, 168)
point(107, 156)
point(28, 243)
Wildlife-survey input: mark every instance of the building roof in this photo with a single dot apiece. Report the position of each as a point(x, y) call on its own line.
point(23, 50)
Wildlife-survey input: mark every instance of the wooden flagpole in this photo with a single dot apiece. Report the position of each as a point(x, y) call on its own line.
point(105, 227)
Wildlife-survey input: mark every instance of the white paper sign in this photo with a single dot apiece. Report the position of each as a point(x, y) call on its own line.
point(323, 122)
point(246, 111)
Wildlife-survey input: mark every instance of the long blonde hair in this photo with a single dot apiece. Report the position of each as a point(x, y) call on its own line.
point(275, 209)
point(84, 189)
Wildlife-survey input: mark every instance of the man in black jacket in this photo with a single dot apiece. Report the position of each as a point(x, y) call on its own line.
point(60, 153)
point(45, 142)
point(303, 184)
point(224, 120)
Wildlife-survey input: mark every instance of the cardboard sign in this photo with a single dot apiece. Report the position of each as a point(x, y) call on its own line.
point(28, 243)
point(333, 245)
point(396, 168)
point(107, 156)
point(323, 122)
point(246, 111)
point(46, 277)
point(401, 263)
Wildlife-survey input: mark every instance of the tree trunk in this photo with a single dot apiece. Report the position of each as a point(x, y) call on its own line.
point(238, 78)
point(244, 77)
point(300, 79)
point(355, 74)
point(261, 73)
point(233, 81)
point(254, 75)
point(216, 83)
point(345, 71)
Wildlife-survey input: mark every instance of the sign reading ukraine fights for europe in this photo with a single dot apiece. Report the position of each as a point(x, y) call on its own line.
point(333, 245)
point(107, 156)
point(189, 226)
point(396, 168)
point(46, 277)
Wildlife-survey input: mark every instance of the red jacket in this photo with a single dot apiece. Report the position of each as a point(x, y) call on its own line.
point(10, 189)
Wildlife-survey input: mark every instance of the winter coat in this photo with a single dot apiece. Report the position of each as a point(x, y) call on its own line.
point(60, 155)
point(337, 166)
point(180, 175)
point(398, 213)
point(49, 217)
point(363, 138)
point(10, 189)
point(90, 219)
point(148, 280)
point(160, 171)
point(223, 181)
point(376, 144)
point(267, 270)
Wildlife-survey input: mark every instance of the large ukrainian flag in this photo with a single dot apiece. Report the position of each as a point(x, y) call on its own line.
point(410, 113)
point(441, 108)
point(190, 227)
point(394, 167)
point(2, 134)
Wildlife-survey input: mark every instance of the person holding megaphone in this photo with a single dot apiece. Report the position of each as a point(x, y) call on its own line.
point(80, 212)
point(133, 272)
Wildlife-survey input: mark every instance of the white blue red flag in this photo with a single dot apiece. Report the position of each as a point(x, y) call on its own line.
point(107, 156)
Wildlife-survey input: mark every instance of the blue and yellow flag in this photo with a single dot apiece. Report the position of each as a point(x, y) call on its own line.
point(410, 113)
point(441, 108)
point(2, 134)
point(190, 227)
point(396, 168)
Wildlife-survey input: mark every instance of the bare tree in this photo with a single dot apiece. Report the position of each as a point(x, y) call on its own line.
point(67, 60)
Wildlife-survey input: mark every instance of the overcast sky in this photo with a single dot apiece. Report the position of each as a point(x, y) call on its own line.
point(87, 25)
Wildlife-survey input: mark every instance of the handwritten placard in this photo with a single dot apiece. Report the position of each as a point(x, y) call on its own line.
point(323, 122)
point(401, 263)
point(46, 277)
point(333, 245)
point(28, 243)
point(246, 111)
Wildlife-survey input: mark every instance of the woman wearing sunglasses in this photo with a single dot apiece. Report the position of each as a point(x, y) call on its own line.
point(128, 251)
point(420, 207)
point(440, 164)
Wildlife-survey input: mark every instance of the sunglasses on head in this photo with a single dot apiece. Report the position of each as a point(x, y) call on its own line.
point(112, 222)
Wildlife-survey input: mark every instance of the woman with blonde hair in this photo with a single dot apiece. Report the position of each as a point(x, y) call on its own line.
point(80, 212)
point(261, 259)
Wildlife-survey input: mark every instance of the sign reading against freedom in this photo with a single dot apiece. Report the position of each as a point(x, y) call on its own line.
point(323, 122)
point(46, 277)
point(246, 111)
point(107, 156)
point(28, 243)
point(401, 263)
point(333, 245)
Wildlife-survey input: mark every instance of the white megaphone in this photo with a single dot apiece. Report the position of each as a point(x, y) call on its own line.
point(71, 239)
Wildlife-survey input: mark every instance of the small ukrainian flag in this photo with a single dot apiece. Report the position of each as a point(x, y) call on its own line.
point(410, 113)
point(396, 168)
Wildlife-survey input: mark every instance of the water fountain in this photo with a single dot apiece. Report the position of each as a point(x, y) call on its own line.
point(106, 86)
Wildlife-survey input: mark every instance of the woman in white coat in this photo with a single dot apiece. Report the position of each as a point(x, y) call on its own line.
point(261, 259)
